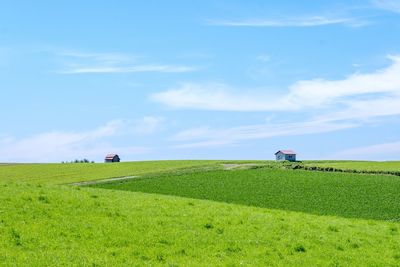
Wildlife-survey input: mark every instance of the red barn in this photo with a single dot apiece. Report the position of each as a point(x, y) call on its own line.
point(112, 158)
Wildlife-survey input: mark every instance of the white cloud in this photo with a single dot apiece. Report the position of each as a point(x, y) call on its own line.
point(193, 134)
point(306, 21)
point(351, 97)
point(214, 96)
point(58, 146)
point(101, 57)
point(340, 104)
point(149, 124)
point(367, 109)
point(81, 63)
point(5, 56)
point(263, 58)
point(389, 5)
point(384, 151)
point(132, 69)
point(206, 137)
point(319, 92)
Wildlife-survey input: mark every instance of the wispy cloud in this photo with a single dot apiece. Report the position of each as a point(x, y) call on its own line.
point(214, 96)
point(348, 98)
point(92, 63)
point(101, 57)
point(132, 69)
point(207, 137)
point(56, 146)
point(149, 125)
point(5, 56)
point(340, 104)
point(306, 21)
point(263, 58)
point(389, 5)
point(384, 151)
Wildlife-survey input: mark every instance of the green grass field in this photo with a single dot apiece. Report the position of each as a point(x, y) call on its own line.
point(62, 225)
point(44, 222)
point(69, 173)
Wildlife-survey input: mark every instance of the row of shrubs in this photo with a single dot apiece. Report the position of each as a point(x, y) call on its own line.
point(300, 166)
point(79, 161)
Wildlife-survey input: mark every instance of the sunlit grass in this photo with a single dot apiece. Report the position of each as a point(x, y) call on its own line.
point(67, 226)
point(45, 223)
point(76, 172)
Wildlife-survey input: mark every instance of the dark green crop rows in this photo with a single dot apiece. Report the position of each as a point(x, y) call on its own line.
point(341, 194)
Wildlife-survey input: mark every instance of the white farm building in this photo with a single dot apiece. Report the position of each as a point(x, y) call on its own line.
point(289, 155)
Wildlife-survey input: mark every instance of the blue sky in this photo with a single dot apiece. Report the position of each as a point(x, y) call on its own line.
point(199, 79)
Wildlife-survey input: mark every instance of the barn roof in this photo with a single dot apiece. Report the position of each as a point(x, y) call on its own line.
point(287, 152)
point(111, 156)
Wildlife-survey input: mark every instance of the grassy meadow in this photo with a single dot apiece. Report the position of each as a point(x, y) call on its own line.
point(194, 213)
point(63, 225)
point(54, 173)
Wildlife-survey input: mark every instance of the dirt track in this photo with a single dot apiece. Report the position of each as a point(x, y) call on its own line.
point(104, 180)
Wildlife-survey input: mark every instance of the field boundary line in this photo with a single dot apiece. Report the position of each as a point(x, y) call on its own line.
point(105, 180)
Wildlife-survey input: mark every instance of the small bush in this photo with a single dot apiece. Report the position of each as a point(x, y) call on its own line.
point(160, 258)
point(78, 161)
point(333, 228)
point(233, 249)
point(43, 199)
point(300, 248)
point(208, 226)
point(16, 237)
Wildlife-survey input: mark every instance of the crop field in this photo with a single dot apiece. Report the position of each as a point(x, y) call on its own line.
point(194, 213)
point(340, 194)
point(358, 165)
